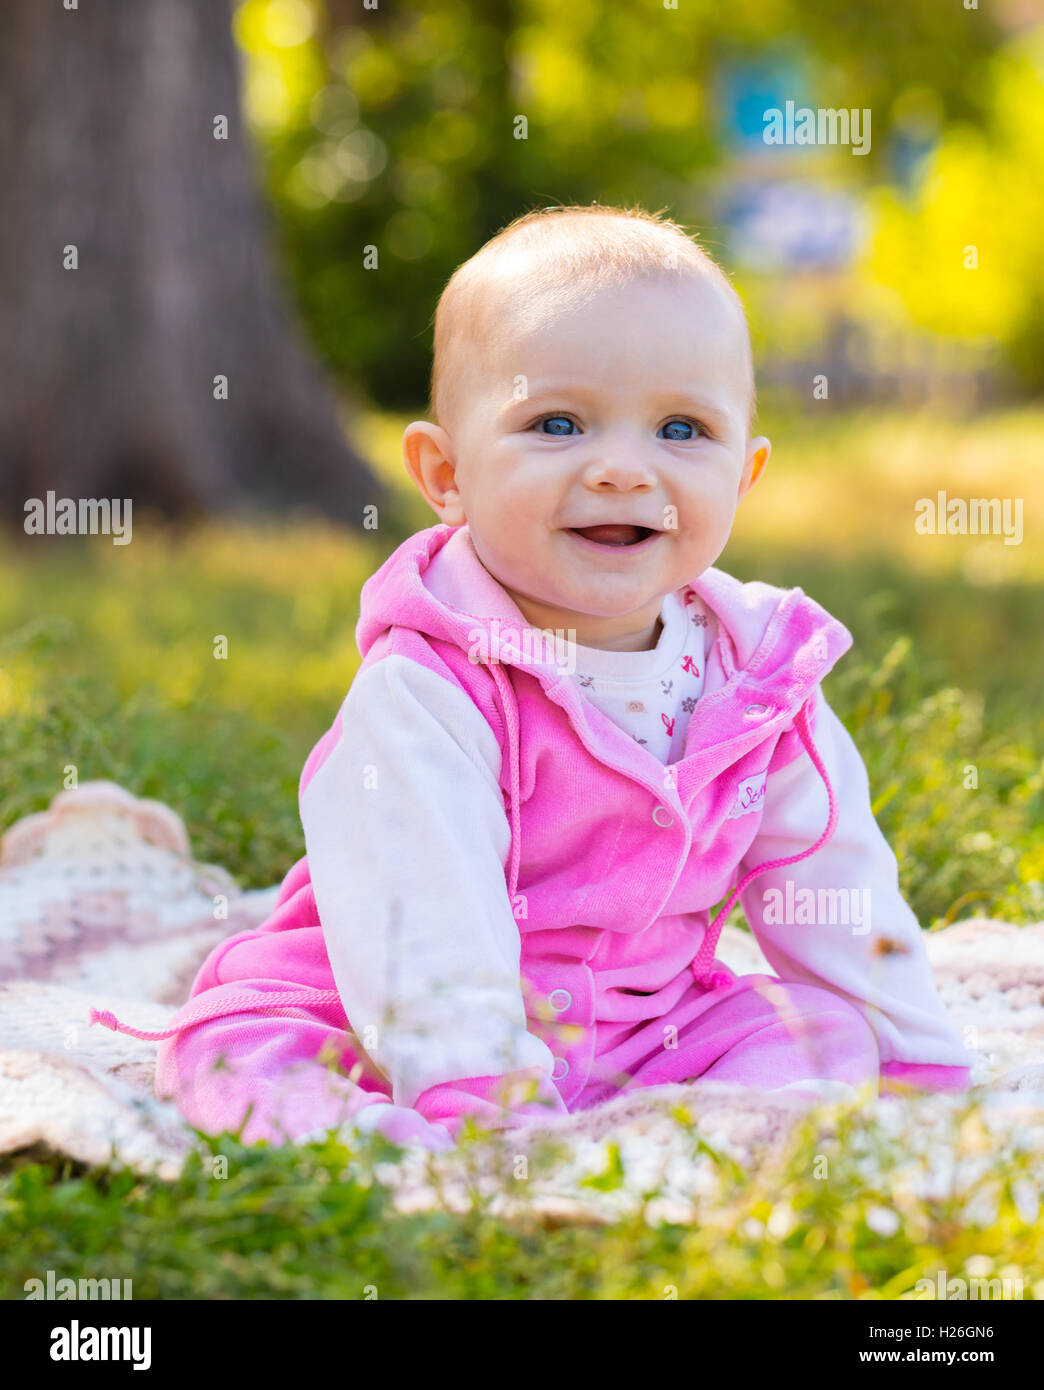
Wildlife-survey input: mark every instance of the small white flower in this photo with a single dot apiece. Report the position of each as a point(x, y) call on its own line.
point(1027, 1199)
point(780, 1222)
point(883, 1220)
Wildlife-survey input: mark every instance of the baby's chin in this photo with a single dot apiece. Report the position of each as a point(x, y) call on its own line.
point(609, 595)
point(563, 604)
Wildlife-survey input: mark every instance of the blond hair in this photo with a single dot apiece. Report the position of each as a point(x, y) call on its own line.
point(561, 255)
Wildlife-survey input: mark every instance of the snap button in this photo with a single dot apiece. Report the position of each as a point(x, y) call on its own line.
point(559, 999)
point(560, 1069)
point(752, 711)
point(662, 817)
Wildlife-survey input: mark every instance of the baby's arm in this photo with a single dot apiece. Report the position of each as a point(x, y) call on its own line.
point(878, 964)
point(407, 837)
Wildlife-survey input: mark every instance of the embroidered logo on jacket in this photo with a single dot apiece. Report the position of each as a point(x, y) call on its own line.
point(750, 795)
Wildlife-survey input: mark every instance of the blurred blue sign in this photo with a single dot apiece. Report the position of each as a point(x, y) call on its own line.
point(747, 90)
point(790, 224)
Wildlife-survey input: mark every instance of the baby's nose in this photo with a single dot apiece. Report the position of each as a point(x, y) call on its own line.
point(620, 472)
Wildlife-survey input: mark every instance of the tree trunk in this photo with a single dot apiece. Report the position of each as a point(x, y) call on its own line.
point(107, 371)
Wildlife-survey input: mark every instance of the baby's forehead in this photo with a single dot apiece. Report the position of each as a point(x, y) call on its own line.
point(694, 318)
point(518, 306)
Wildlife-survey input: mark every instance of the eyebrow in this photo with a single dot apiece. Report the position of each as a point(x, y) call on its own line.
point(678, 399)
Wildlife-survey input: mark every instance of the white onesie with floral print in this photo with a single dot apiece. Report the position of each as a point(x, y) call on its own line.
point(651, 694)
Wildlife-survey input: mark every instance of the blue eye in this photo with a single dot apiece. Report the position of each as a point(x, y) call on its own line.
point(555, 419)
point(561, 426)
point(683, 425)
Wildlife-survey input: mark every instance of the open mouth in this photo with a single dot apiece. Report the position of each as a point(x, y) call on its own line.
point(616, 536)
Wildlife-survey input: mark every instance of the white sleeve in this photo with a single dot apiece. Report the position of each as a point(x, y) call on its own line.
point(838, 918)
point(407, 836)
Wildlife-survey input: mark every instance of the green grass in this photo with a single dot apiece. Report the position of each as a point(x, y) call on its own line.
point(107, 665)
point(312, 1222)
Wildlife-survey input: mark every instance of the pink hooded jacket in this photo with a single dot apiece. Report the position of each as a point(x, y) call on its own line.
point(615, 863)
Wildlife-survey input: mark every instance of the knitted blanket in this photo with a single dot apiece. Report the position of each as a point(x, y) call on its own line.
point(102, 904)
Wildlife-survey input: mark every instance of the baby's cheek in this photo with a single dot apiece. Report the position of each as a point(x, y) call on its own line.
point(707, 521)
point(721, 514)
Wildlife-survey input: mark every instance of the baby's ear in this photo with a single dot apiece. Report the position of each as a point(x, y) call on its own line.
point(427, 451)
point(758, 451)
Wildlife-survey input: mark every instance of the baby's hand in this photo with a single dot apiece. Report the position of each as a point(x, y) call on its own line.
point(397, 1123)
point(402, 1126)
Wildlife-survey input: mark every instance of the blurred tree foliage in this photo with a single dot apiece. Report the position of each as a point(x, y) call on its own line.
point(396, 128)
point(977, 211)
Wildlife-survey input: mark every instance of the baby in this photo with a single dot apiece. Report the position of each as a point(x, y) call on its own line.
point(570, 737)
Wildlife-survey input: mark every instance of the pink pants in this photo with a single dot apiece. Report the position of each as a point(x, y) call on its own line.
point(274, 1072)
point(760, 1032)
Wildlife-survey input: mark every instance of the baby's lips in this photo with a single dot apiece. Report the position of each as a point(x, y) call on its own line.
point(616, 533)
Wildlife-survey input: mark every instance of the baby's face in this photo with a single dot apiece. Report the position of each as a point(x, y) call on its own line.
point(616, 478)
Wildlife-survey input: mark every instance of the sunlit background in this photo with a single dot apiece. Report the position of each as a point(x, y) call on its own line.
point(397, 132)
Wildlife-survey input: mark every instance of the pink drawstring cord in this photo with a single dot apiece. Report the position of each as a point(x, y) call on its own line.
point(511, 719)
point(702, 965)
point(277, 1002)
